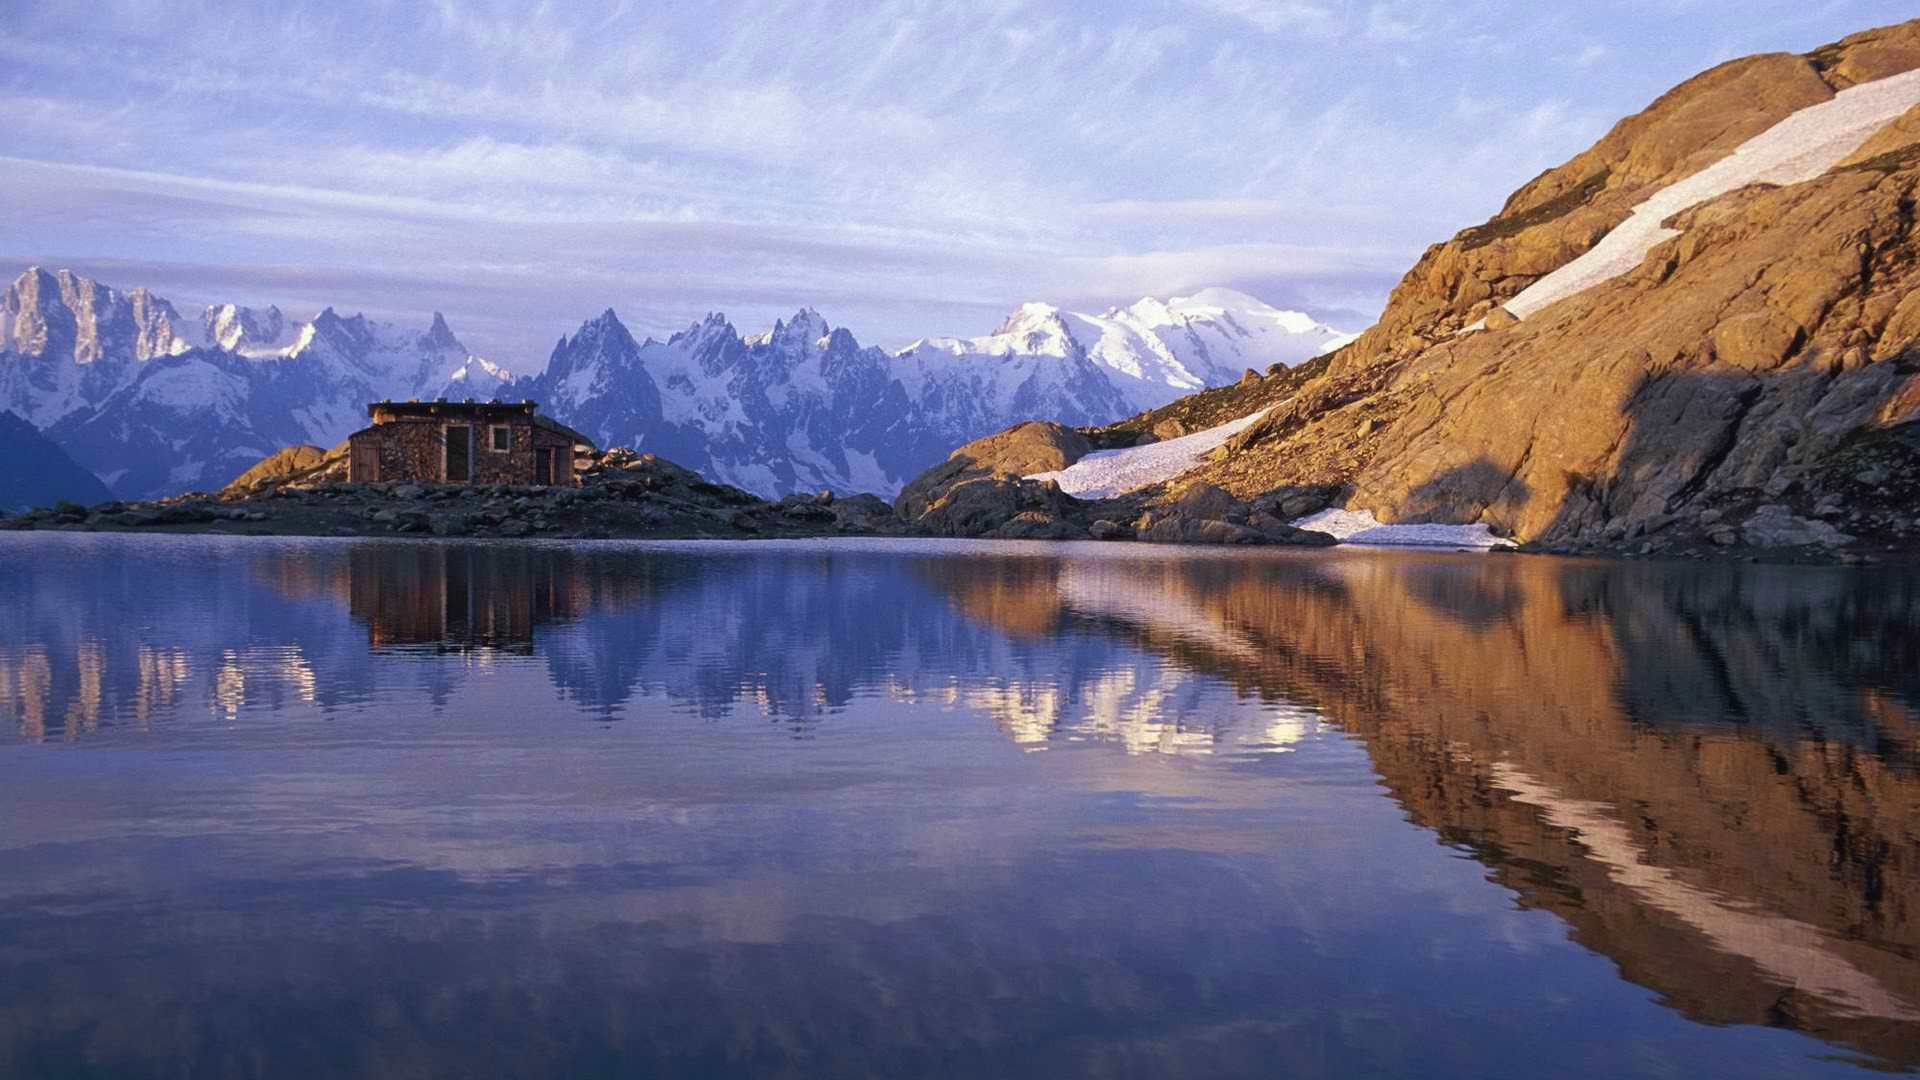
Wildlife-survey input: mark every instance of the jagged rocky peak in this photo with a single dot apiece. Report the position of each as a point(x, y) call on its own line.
point(603, 337)
point(60, 314)
point(799, 333)
point(698, 335)
point(600, 333)
point(243, 329)
point(440, 336)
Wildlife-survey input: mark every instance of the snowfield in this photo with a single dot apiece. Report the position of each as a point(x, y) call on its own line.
point(1797, 149)
point(1152, 351)
point(1106, 473)
point(1361, 527)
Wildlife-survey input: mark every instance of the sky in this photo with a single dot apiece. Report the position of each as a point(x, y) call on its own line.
point(907, 167)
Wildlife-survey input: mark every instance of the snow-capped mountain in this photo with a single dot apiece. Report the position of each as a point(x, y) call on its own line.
point(801, 406)
point(155, 402)
point(804, 406)
point(1155, 350)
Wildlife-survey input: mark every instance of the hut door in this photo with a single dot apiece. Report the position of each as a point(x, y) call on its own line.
point(543, 466)
point(459, 454)
point(364, 465)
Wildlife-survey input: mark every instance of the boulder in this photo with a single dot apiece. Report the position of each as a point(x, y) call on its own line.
point(980, 487)
point(1038, 525)
point(1777, 526)
point(1109, 530)
point(976, 505)
point(1177, 529)
point(1199, 499)
point(866, 513)
point(279, 465)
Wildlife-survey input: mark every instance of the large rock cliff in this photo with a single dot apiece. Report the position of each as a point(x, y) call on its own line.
point(1745, 373)
point(1759, 369)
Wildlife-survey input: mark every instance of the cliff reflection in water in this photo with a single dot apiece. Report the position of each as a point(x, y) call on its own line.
point(1711, 775)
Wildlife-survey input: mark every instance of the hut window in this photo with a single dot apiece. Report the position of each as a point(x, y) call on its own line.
point(500, 438)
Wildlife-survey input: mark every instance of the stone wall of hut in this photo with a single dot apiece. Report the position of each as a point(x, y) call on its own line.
point(415, 449)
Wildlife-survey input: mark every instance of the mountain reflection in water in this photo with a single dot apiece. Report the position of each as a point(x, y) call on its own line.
point(384, 838)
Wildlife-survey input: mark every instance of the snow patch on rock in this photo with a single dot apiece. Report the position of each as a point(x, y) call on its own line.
point(1361, 527)
point(1799, 148)
point(1106, 473)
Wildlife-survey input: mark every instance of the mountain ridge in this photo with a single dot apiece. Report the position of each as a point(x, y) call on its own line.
point(1738, 369)
point(156, 401)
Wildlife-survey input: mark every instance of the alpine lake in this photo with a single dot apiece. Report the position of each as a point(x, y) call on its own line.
point(346, 808)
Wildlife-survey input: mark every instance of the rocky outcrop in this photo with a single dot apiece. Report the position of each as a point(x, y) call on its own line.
point(622, 494)
point(978, 490)
point(281, 465)
point(1720, 387)
point(982, 491)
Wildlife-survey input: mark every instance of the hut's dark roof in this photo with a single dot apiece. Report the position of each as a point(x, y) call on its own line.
point(478, 411)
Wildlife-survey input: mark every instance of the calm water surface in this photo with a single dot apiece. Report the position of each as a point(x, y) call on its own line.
point(347, 809)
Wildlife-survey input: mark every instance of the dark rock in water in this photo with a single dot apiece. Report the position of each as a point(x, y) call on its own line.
point(1179, 529)
point(1287, 534)
point(1038, 525)
point(1103, 529)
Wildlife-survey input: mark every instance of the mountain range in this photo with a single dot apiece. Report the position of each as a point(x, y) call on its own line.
point(154, 401)
point(1701, 333)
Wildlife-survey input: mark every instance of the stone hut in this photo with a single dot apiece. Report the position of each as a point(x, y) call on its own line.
point(467, 442)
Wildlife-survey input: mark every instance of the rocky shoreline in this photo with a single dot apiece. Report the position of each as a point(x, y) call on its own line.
point(980, 493)
point(622, 495)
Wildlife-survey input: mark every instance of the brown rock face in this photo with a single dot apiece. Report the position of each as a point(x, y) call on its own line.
point(1727, 371)
point(978, 489)
point(1560, 214)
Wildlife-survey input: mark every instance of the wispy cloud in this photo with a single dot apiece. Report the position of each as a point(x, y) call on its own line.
point(911, 166)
